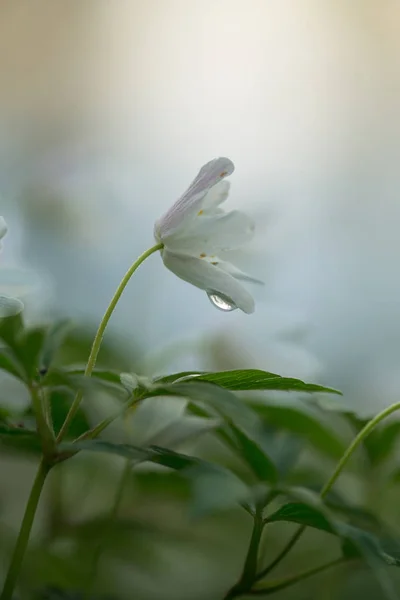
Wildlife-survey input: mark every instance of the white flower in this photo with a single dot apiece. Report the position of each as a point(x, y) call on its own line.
point(8, 306)
point(194, 231)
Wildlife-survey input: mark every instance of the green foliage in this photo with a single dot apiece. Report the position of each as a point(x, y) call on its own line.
point(191, 437)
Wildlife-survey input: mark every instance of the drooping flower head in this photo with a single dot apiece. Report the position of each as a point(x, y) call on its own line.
point(195, 230)
point(8, 306)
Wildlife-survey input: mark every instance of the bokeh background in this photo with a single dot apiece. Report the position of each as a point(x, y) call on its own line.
point(108, 110)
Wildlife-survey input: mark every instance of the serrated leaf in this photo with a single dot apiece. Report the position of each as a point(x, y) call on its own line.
point(256, 379)
point(176, 376)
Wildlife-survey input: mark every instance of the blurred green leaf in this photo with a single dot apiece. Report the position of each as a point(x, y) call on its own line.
point(60, 403)
point(9, 363)
point(55, 336)
point(303, 423)
point(255, 379)
point(60, 378)
point(247, 435)
point(358, 541)
point(155, 454)
point(252, 452)
point(28, 350)
point(110, 376)
point(10, 329)
point(19, 438)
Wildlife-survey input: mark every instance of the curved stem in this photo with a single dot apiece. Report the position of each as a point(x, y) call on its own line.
point(100, 333)
point(289, 581)
point(24, 533)
point(250, 566)
point(332, 480)
point(354, 445)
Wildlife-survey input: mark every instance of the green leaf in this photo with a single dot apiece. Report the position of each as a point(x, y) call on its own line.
point(110, 376)
point(213, 487)
point(304, 423)
point(298, 512)
point(29, 349)
point(59, 379)
point(155, 454)
point(9, 363)
point(60, 403)
point(356, 541)
point(10, 329)
point(55, 336)
point(18, 438)
point(176, 376)
point(255, 379)
point(247, 434)
point(252, 452)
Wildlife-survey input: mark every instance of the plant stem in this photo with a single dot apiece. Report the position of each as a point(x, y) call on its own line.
point(24, 533)
point(282, 554)
point(354, 445)
point(332, 480)
point(289, 581)
point(99, 336)
point(250, 566)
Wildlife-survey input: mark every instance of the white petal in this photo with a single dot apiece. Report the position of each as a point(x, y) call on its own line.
point(189, 204)
point(3, 227)
point(211, 234)
point(10, 306)
point(216, 196)
point(208, 277)
point(237, 273)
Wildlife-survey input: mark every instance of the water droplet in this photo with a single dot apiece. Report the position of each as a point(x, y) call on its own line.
point(221, 301)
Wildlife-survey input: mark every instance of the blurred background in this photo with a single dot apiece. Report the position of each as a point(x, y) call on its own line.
point(108, 110)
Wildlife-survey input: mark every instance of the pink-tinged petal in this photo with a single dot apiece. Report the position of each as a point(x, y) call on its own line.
point(188, 205)
point(208, 277)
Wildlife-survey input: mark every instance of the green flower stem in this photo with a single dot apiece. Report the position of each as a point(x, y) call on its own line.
point(354, 445)
point(24, 533)
point(250, 566)
point(358, 440)
point(99, 336)
point(277, 586)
